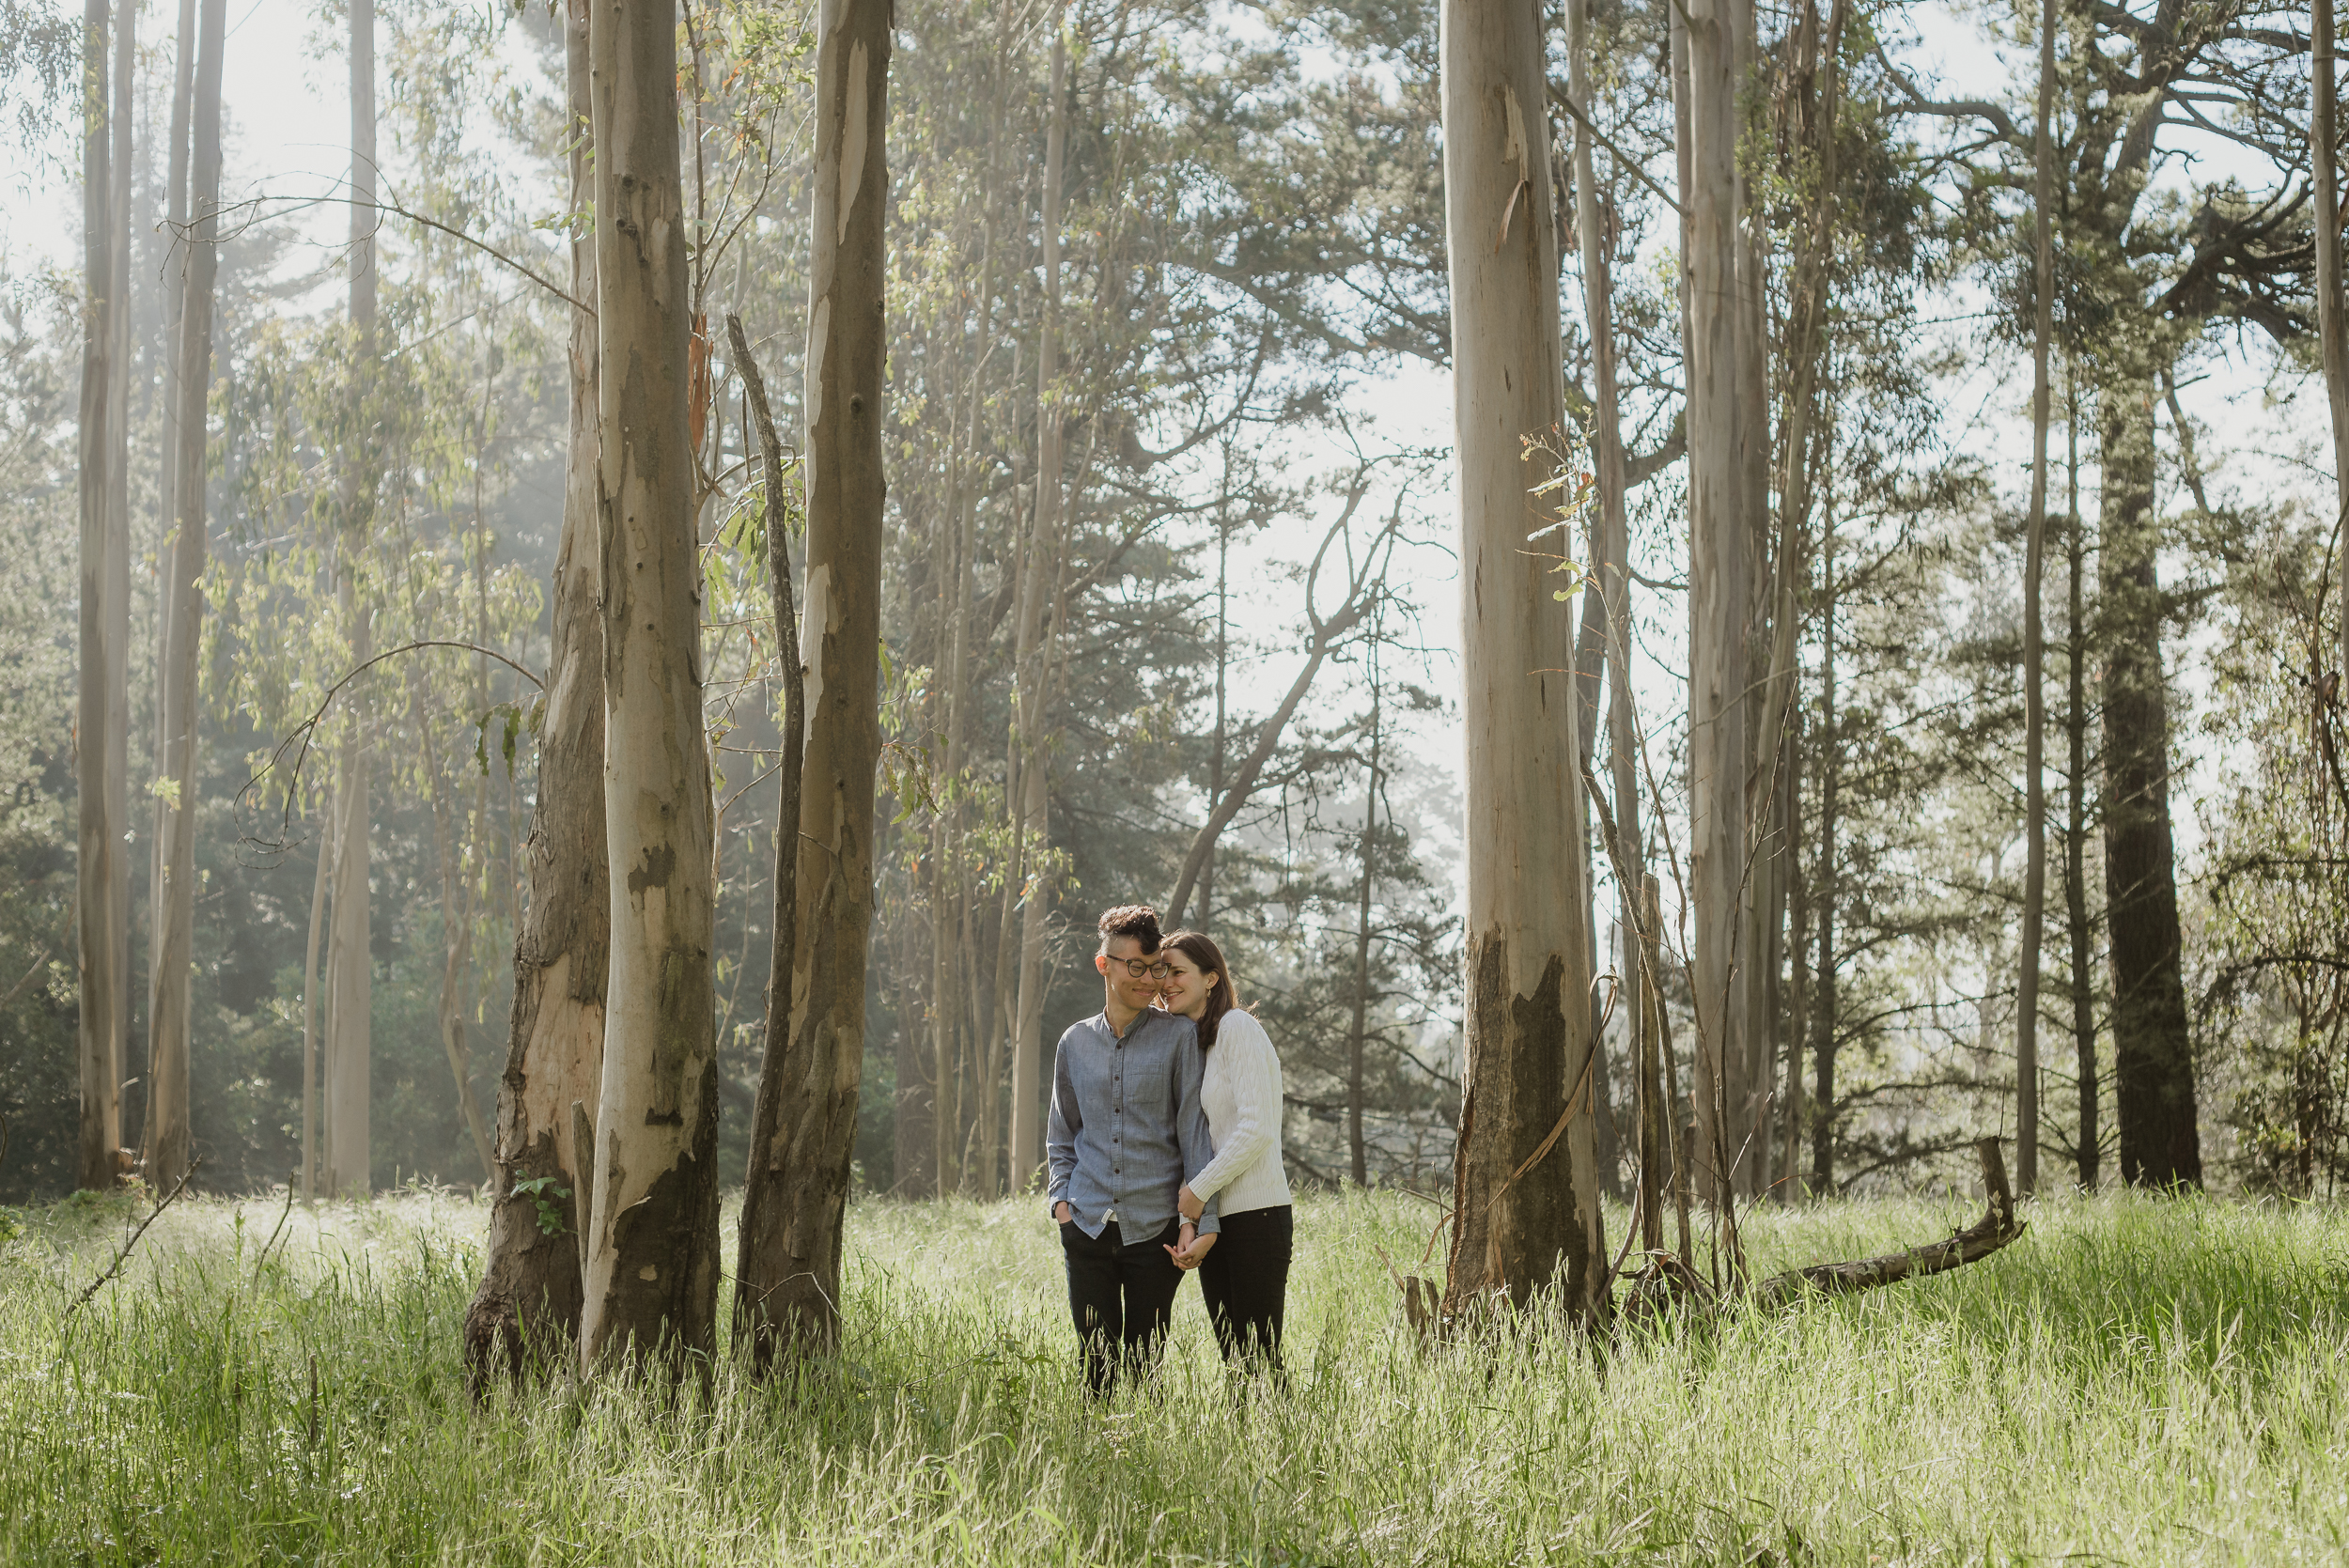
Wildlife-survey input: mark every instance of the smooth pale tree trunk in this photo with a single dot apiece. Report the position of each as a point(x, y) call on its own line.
point(349, 1037)
point(115, 589)
point(99, 910)
point(2323, 144)
point(175, 288)
point(765, 1194)
point(2154, 1063)
point(651, 1247)
point(172, 957)
point(1525, 1176)
point(797, 1276)
point(1032, 823)
point(1719, 592)
point(526, 1311)
point(2035, 645)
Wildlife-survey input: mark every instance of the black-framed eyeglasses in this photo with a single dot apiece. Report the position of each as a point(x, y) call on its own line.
point(1145, 968)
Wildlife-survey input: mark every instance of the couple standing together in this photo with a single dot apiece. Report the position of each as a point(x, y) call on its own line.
point(1165, 1148)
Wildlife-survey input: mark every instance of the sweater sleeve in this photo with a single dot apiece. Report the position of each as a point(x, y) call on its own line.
point(1256, 1073)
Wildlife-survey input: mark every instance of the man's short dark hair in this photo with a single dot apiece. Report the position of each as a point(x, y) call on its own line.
point(1138, 921)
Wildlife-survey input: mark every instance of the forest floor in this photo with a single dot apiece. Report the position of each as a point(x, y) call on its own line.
point(2135, 1381)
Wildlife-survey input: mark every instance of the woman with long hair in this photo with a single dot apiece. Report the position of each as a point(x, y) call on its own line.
point(1243, 1273)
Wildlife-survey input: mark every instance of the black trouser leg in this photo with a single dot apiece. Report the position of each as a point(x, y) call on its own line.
point(1121, 1299)
point(1245, 1279)
point(1096, 1305)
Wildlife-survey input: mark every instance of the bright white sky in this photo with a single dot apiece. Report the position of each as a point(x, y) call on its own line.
point(287, 113)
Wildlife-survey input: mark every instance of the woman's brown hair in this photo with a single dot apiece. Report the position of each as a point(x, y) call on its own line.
point(1201, 949)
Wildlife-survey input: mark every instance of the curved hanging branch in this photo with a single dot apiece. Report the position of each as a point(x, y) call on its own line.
point(307, 729)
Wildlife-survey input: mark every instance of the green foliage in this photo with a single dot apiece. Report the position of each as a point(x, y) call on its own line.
point(2134, 1381)
point(547, 1195)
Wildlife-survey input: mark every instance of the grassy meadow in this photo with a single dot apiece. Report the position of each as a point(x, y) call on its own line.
point(2135, 1381)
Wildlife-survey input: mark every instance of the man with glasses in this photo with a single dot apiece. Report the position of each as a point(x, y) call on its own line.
point(1125, 1133)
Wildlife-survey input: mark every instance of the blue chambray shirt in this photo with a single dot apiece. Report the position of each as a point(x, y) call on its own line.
point(1126, 1130)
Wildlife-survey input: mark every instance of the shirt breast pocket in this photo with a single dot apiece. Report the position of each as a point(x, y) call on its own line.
point(1148, 1085)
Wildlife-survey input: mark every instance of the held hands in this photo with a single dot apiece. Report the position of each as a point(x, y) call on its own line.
point(1191, 1247)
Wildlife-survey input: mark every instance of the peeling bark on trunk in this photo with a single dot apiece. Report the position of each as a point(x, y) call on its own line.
point(2153, 1065)
point(798, 1278)
point(173, 954)
point(1525, 1178)
point(652, 1237)
point(526, 1311)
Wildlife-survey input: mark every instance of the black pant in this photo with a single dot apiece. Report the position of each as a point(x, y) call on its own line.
point(1120, 1299)
point(1245, 1278)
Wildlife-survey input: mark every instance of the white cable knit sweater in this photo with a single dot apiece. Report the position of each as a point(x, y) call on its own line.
point(1241, 1095)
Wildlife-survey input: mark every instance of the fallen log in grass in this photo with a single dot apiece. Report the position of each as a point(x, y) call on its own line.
point(1994, 1230)
point(1664, 1286)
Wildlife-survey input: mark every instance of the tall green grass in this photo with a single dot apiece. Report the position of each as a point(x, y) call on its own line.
point(2134, 1382)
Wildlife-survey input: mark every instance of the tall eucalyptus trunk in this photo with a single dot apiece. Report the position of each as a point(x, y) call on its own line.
point(765, 1214)
point(174, 288)
point(100, 914)
point(651, 1236)
point(1819, 61)
point(172, 958)
point(1753, 1021)
point(2075, 780)
point(1591, 223)
point(2034, 650)
point(1720, 587)
point(2324, 151)
point(1358, 1031)
point(1525, 1175)
point(2153, 1062)
point(1032, 656)
point(307, 1180)
point(1826, 889)
point(797, 1276)
point(526, 1311)
point(349, 987)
